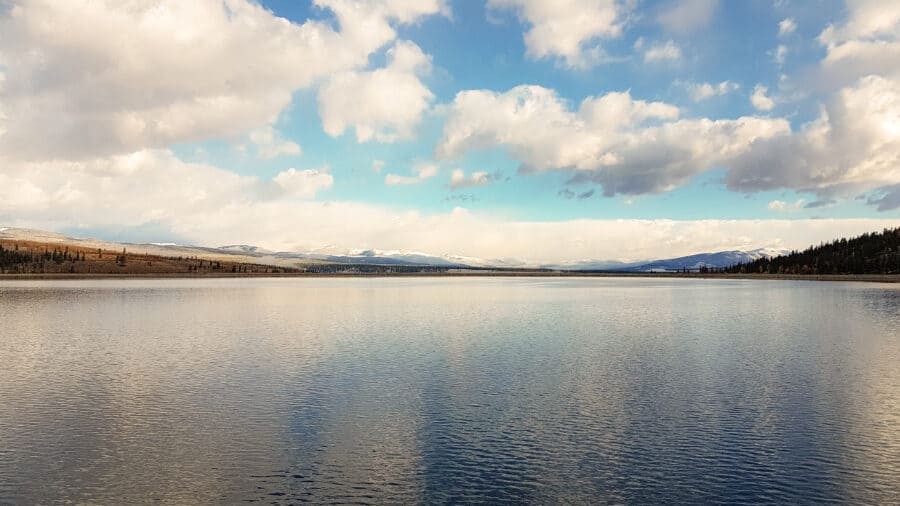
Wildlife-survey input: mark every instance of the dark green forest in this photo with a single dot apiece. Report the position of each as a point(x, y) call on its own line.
point(873, 253)
point(12, 257)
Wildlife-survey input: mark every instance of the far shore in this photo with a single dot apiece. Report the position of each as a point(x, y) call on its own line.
point(873, 278)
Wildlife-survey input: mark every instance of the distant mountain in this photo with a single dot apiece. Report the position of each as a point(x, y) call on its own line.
point(243, 248)
point(255, 254)
point(398, 257)
point(590, 265)
point(375, 257)
point(390, 258)
point(717, 260)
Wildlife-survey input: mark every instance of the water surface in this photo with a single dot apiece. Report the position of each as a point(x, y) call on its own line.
point(436, 390)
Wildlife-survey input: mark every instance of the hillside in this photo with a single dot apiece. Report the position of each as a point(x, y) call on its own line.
point(33, 257)
point(875, 253)
point(28, 252)
point(25, 251)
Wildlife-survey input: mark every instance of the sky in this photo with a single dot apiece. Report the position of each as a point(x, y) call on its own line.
point(538, 130)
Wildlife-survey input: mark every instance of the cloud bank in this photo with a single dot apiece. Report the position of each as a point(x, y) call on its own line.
point(153, 190)
point(628, 146)
point(169, 71)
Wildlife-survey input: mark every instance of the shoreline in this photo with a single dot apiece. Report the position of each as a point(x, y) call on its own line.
point(871, 278)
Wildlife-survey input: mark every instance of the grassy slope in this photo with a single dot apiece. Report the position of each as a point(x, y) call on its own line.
point(102, 261)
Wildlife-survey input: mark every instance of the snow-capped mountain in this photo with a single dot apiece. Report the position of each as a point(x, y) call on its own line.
point(400, 257)
point(714, 260)
point(590, 265)
point(691, 262)
point(330, 254)
point(397, 257)
point(244, 248)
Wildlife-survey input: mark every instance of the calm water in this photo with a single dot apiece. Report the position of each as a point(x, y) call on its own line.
point(449, 390)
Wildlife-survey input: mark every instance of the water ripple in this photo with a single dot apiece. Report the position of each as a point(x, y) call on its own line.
point(447, 391)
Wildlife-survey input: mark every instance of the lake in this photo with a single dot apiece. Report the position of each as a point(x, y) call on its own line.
point(439, 390)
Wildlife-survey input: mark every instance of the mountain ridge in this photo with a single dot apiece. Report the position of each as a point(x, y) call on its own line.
point(294, 259)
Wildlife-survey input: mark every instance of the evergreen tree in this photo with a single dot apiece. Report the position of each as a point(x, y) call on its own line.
point(875, 253)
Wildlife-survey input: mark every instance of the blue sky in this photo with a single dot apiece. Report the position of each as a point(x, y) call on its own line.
point(761, 123)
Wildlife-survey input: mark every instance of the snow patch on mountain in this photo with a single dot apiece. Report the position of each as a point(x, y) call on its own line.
point(709, 260)
point(244, 248)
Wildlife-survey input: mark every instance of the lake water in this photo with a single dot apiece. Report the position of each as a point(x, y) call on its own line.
point(437, 390)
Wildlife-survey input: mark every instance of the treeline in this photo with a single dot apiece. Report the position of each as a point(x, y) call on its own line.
point(13, 259)
point(42, 258)
point(29, 257)
point(874, 253)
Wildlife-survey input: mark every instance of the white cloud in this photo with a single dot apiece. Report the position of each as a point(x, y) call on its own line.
point(205, 205)
point(377, 166)
point(866, 19)
point(867, 44)
point(168, 71)
point(458, 179)
point(760, 100)
point(384, 104)
point(704, 91)
point(662, 52)
point(304, 183)
point(786, 27)
point(628, 146)
point(126, 190)
point(783, 207)
point(269, 144)
point(684, 16)
point(423, 172)
point(852, 147)
point(781, 54)
point(568, 29)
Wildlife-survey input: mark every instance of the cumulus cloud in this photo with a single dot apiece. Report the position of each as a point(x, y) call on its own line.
point(760, 100)
point(568, 29)
point(384, 104)
point(668, 51)
point(704, 91)
point(781, 54)
point(139, 188)
point(421, 173)
point(203, 204)
point(304, 183)
point(786, 27)
point(866, 19)
point(782, 206)
point(628, 146)
point(154, 190)
point(684, 16)
point(853, 146)
point(168, 71)
point(867, 43)
point(458, 179)
point(270, 144)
